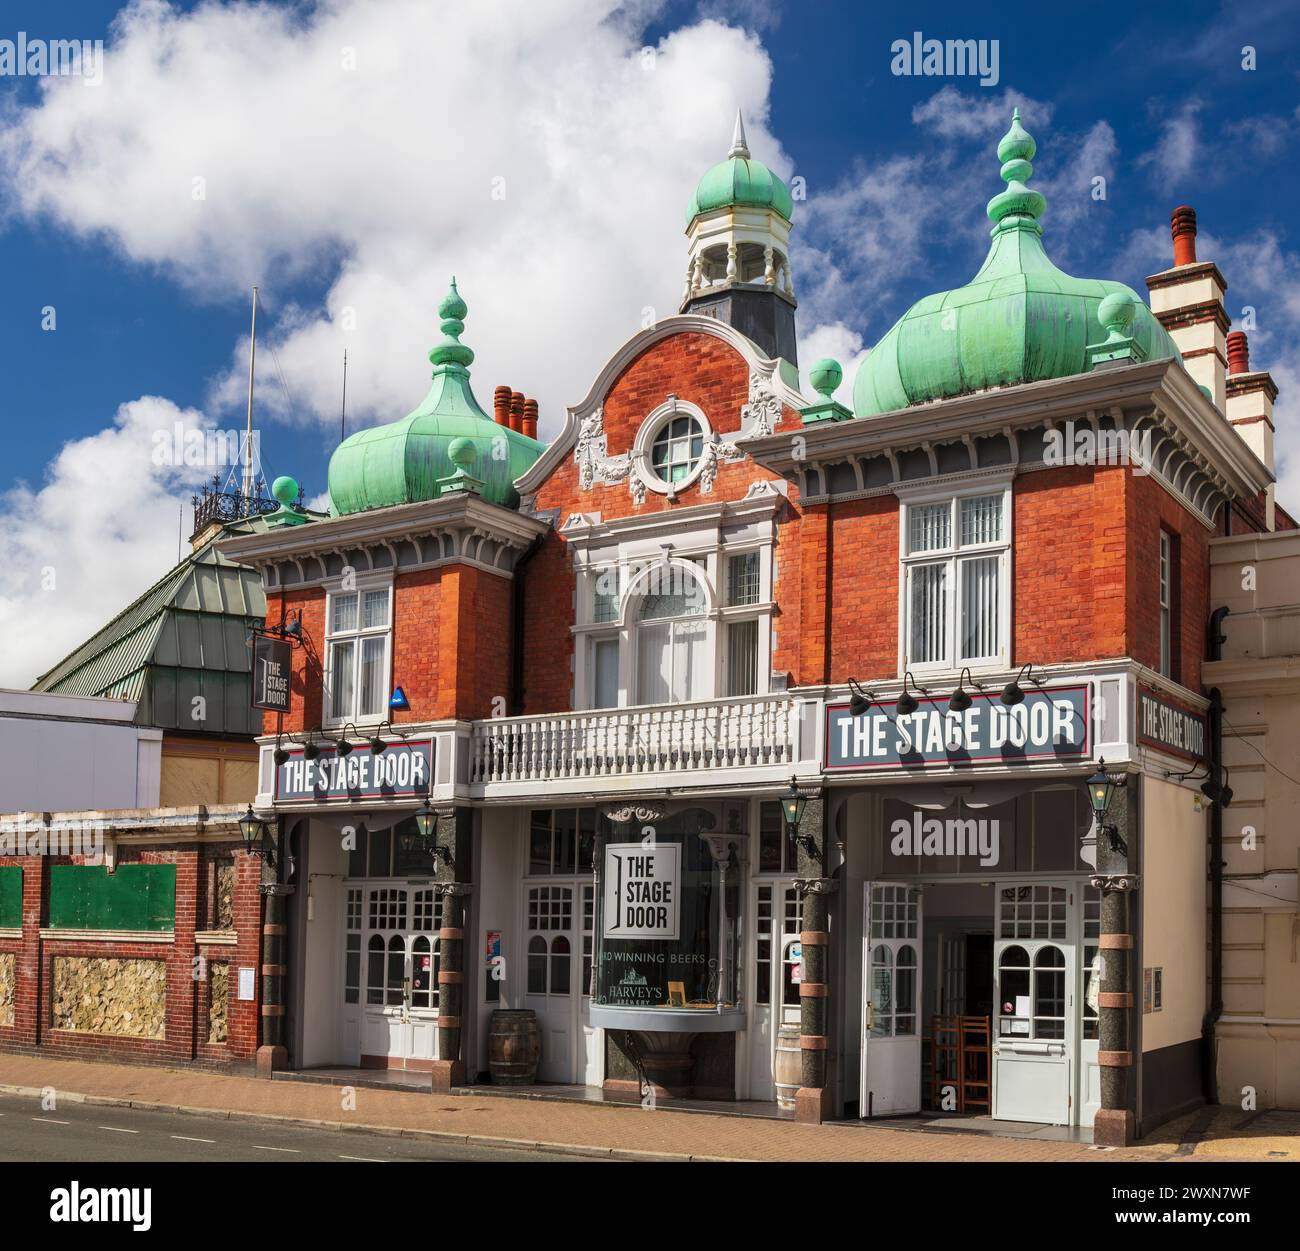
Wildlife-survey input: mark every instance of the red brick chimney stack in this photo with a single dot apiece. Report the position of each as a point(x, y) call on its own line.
point(530, 418)
point(501, 405)
point(517, 411)
point(1182, 225)
point(1238, 353)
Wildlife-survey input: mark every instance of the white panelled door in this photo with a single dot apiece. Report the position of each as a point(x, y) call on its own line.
point(1034, 1006)
point(891, 996)
point(391, 974)
point(551, 989)
point(777, 970)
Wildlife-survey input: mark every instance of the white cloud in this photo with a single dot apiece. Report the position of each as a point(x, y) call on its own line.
point(537, 152)
point(1176, 151)
point(380, 179)
point(102, 527)
point(840, 343)
point(954, 114)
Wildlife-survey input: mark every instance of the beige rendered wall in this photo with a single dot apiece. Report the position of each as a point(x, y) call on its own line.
point(1257, 577)
point(1173, 893)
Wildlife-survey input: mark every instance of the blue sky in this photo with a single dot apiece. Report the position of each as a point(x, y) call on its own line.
point(369, 201)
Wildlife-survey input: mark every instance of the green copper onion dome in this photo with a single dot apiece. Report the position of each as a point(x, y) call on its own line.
point(418, 457)
point(739, 180)
point(1020, 319)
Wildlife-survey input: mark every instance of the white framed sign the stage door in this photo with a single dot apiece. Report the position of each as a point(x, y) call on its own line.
point(891, 999)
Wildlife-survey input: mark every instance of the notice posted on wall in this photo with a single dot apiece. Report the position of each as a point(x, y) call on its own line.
point(247, 983)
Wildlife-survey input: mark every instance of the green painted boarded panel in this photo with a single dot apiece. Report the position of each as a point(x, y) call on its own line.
point(136, 897)
point(11, 897)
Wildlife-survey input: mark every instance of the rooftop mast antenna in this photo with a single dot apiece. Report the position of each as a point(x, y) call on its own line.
point(343, 416)
point(248, 437)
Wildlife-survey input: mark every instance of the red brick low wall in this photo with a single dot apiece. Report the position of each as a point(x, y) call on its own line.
point(188, 962)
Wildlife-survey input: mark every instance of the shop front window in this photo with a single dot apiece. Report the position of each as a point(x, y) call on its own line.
point(668, 923)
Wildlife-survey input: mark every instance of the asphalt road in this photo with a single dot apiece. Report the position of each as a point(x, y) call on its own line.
point(81, 1132)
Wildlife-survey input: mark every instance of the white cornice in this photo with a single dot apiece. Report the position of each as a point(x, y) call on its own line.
point(782, 376)
point(588, 533)
point(1165, 385)
point(384, 525)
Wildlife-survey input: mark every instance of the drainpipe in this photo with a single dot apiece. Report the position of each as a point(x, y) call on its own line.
point(1209, 1062)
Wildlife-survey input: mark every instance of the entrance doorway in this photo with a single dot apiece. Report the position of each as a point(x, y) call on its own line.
point(891, 1033)
point(778, 970)
point(390, 1017)
point(1008, 965)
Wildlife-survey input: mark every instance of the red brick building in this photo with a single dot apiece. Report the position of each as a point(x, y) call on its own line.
point(547, 701)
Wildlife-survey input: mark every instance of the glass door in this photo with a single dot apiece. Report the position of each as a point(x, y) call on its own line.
point(550, 984)
point(1034, 1005)
point(891, 975)
point(777, 972)
point(391, 966)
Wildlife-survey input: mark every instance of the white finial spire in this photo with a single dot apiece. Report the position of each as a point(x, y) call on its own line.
point(738, 145)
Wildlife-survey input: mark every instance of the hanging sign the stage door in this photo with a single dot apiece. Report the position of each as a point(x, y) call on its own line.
point(272, 666)
point(642, 898)
point(1169, 726)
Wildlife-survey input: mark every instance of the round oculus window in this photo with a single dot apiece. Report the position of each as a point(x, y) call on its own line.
point(676, 449)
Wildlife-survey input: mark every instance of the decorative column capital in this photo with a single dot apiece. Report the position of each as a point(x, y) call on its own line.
point(816, 885)
point(1114, 881)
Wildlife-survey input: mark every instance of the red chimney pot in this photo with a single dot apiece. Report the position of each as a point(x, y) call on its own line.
point(530, 418)
point(517, 411)
point(501, 406)
point(1238, 353)
point(1182, 225)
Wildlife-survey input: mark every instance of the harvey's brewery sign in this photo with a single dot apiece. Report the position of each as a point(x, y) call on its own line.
point(400, 771)
point(1049, 724)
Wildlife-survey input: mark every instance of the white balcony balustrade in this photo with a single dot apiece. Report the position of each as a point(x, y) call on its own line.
point(757, 731)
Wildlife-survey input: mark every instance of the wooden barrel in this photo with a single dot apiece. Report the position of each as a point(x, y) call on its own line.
point(788, 1070)
point(514, 1047)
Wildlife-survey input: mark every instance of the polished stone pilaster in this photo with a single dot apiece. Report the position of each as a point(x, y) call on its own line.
point(455, 832)
point(812, 1100)
point(1114, 1122)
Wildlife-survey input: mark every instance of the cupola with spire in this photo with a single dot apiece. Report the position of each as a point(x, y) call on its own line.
point(738, 267)
point(1020, 319)
point(447, 444)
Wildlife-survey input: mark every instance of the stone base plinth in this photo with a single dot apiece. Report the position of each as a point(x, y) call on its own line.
point(271, 1060)
point(1112, 1128)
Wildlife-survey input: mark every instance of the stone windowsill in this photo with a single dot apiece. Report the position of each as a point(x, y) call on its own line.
point(7, 932)
point(216, 938)
point(112, 936)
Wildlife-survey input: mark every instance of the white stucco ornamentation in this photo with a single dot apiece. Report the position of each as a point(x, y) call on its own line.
point(591, 455)
point(763, 411)
point(716, 451)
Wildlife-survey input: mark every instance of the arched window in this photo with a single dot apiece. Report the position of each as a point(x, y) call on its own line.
point(396, 970)
point(537, 965)
point(560, 965)
point(423, 973)
point(882, 992)
point(671, 638)
point(1049, 993)
point(905, 990)
point(375, 969)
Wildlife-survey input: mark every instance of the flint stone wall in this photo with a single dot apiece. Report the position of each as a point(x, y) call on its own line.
point(109, 995)
point(7, 988)
point(218, 1003)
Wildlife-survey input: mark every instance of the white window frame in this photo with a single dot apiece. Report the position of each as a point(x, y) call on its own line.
point(650, 430)
point(953, 555)
point(331, 717)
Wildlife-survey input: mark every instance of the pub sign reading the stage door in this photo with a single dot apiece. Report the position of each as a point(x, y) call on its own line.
point(272, 666)
point(641, 891)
